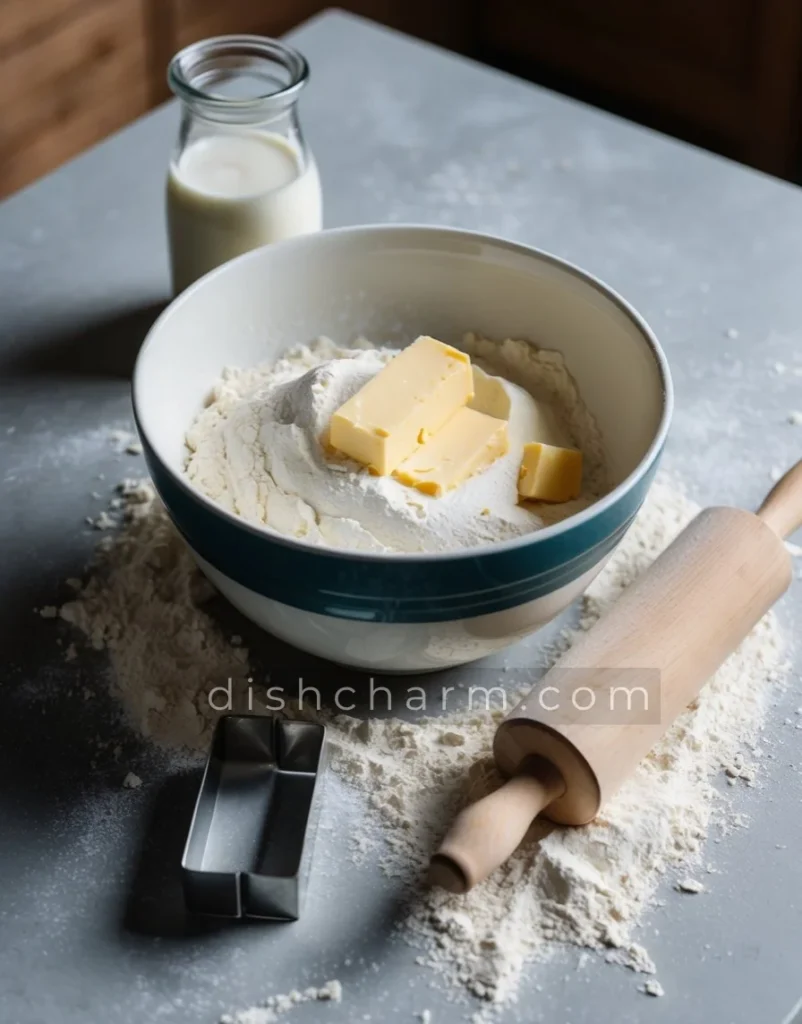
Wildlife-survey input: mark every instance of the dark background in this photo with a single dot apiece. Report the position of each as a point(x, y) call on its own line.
point(725, 74)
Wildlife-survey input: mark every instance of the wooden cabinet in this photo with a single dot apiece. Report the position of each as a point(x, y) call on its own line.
point(70, 73)
point(726, 73)
point(722, 72)
point(441, 21)
point(74, 71)
point(199, 19)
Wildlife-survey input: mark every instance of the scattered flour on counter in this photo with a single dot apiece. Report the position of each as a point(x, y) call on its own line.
point(269, 1011)
point(132, 781)
point(125, 441)
point(257, 449)
point(103, 522)
point(690, 885)
point(143, 605)
point(587, 886)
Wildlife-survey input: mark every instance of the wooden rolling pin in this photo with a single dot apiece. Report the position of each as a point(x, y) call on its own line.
point(681, 619)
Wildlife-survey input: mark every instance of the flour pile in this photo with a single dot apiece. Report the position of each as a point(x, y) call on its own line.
point(587, 886)
point(258, 449)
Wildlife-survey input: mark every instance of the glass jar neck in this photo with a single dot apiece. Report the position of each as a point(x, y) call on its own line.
point(238, 80)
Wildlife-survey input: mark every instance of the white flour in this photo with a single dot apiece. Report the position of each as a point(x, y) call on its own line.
point(587, 886)
point(256, 450)
point(274, 1006)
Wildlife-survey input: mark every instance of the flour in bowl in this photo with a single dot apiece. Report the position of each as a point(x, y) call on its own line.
point(257, 450)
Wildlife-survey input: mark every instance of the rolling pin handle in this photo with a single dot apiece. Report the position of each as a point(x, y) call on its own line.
point(782, 508)
point(655, 618)
point(487, 832)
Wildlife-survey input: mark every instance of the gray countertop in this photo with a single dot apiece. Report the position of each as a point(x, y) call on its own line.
point(92, 926)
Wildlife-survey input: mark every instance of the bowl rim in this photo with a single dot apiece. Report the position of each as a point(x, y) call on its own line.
point(372, 557)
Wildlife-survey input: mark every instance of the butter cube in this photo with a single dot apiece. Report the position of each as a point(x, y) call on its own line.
point(413, 396)
point(549, 473)
point(489, 395)
point(470, 442)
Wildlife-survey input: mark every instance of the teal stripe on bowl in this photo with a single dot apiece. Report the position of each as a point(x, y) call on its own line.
point(404, 590)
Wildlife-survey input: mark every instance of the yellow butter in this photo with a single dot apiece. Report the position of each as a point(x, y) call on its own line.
point(549, 473)
point(470, 442)
point(489, 395)
point(413, 396)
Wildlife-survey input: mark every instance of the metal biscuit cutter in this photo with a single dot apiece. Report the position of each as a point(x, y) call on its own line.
point(249, 849)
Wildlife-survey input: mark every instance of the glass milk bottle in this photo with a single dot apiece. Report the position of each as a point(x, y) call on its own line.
point(241, 175)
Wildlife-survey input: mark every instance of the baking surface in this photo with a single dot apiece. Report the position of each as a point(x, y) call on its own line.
point(92, 926)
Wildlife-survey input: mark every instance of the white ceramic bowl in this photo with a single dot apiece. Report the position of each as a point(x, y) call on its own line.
point(402, 613)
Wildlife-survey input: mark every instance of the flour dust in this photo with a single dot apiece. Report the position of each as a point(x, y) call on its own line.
point(145, 603)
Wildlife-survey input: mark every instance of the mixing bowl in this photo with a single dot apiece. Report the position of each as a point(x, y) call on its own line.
point(402, 612)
